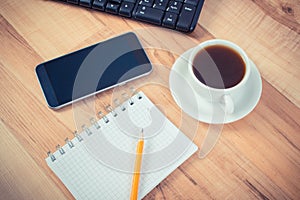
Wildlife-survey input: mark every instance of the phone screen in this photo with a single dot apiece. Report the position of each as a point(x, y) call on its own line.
point(92, 69)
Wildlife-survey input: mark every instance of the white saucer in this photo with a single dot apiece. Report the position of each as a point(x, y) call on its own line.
point(200, 109)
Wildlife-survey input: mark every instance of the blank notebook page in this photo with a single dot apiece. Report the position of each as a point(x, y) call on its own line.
point(98, 164)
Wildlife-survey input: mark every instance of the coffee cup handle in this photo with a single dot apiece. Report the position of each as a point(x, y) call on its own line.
point(227, 104)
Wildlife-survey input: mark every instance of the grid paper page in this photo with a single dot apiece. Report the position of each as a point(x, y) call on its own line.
point(101, 165)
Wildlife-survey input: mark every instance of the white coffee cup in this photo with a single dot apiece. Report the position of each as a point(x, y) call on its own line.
point(226, 97)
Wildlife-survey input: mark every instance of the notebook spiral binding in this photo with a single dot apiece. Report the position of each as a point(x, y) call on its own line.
point(95, 123)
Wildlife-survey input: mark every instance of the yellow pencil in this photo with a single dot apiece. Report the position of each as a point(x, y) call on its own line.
point(137, 168)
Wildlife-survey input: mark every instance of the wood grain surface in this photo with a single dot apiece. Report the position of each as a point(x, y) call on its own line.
point(257, 157)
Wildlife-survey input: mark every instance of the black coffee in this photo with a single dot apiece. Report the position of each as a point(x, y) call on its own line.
point(219, 67)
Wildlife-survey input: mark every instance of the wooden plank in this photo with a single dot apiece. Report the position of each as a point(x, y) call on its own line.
point(23, 109)
point(20, 176)
point(21, 60)
point(43, 34)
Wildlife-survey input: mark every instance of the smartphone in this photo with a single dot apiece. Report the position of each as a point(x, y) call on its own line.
point(91, 70)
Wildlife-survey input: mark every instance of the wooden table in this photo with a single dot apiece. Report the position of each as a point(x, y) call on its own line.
point(255, 157)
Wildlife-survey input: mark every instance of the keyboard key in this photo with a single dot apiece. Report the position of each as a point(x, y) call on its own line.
point(86, 3)
point(126, 9)
point(160, 4)
point(115, 1)
point(73, 1)
point(148, 3)
point(112, 8)
point(185, 17)
point(148, 14)
point(192, 2)
point(99, 4)
point(131, 1)
point(170, 20)
point(174, 6)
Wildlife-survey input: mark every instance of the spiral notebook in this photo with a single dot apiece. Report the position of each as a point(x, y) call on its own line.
point(98, 163)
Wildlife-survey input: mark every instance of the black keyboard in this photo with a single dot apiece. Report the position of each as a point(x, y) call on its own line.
point(181, 15)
